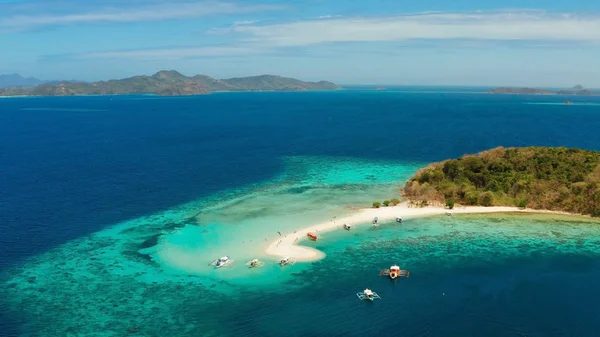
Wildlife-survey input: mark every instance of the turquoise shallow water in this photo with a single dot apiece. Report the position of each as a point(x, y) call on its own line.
point(111, 209)
point(463, 268)
point(310, 190)
point(170, 250)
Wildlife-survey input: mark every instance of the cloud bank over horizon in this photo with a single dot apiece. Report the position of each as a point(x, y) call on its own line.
point(531, 29)
point(302, 36)
point(23, 17)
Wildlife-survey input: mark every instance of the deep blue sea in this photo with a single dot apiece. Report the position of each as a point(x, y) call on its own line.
point(71, 166)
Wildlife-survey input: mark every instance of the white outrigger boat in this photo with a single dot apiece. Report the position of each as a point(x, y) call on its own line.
point(224, 261)
point(255, 263)
point(399, 219)
point(375, 222)
point(394, 272)
point(347, 227)
point(284, 261)
point(368, 295)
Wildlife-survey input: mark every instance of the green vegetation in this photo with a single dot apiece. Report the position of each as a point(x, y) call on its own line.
point(395, 201)
point(386, 203)
point(169, 83)
point(450, 203)
point(523, 204)
point(535, 177)
point(376, 204)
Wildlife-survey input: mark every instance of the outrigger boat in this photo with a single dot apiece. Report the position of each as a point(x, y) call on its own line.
point(255, 263)
point(394, 272)
point(347, 227)
point(312, 236)
point(284, 261)
point(399, 219)
point(375, 222)
point(224, 261)
point(369, 295)
point(448, 213)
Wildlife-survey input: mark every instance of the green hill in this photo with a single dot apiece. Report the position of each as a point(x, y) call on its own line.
point(535, 177)
point(168, 83)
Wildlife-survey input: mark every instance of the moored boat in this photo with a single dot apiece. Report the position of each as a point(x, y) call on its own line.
point(286, 261)
point(224, 261)
point(347, 227)
point(312, 236)
point(394, 272)
point(368, 295)
point(255, 263)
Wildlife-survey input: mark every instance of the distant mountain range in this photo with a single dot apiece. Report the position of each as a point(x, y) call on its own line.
point(18, 80)
point(169, 83)
point(576, 90)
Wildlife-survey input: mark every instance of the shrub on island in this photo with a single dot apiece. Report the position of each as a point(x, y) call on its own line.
point(395, 201)
point(533, 177)
point(523, 204)
point(376, 204)
point(386, 203)
point(450, 203)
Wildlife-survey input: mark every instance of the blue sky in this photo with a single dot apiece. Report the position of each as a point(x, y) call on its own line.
point(425, 42)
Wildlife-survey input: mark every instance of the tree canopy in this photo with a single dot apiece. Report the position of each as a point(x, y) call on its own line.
point(561, 179)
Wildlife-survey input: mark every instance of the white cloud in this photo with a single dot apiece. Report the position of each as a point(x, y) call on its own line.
point(475, 30)
point(477, 25)
point(169, 53)
point(243, 23)
point(155, 11)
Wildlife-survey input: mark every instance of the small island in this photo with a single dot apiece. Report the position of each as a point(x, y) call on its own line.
point(577, 90)
point(168, 83)
point(541, 178)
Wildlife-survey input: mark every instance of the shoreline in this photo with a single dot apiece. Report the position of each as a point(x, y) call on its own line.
point(286, 244)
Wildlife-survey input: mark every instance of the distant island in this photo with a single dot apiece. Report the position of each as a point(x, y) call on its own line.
point(12, 80)
point(168, 83)
point(577, 90)
point(558, 179)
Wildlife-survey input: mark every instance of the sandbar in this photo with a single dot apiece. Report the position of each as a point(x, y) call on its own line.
point(286, 244)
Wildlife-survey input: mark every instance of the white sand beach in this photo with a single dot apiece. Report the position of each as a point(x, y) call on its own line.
point(286, 245)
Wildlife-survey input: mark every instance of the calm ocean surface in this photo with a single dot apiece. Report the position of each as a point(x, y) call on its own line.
point(73, 166)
